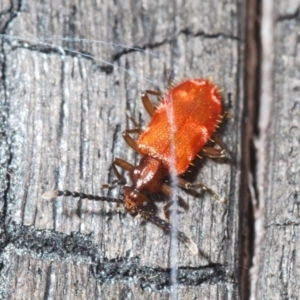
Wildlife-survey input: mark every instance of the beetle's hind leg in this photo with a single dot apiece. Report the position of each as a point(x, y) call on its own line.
point(194, 186)
point(213, 152)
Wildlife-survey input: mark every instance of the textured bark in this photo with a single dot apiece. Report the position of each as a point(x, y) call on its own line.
point(62, 117)
point(277, 269)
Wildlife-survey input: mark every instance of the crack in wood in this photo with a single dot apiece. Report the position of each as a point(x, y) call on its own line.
point(49, 245)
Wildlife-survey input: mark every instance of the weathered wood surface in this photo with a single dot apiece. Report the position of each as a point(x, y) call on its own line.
point(277, 270)
point(62, 118)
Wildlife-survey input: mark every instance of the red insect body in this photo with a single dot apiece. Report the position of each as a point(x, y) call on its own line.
point(196, 107)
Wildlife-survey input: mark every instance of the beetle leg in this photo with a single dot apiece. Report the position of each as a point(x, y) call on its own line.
point(168, 191)
point(136, 124)
point(129, 140)
point(168, 206)
point(192, 187)
point(168, 227)
point(120, 179)
point(125, 165)
point(218, 141)
point(167, 209)
point(213, 152)
point(150, 108)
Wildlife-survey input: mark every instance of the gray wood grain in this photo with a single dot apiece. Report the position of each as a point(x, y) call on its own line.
point(278, 268)
point(63, 115)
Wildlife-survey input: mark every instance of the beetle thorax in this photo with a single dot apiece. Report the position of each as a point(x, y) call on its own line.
point(146, 178)
point(148, 175)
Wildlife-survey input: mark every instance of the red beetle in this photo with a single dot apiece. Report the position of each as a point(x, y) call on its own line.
point(180, 128)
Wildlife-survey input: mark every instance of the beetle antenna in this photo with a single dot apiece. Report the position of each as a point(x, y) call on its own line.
point(145, 214)
point(66, 193)
point(168, 227)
